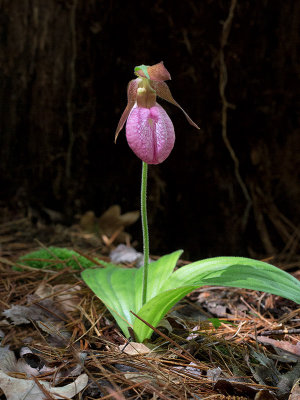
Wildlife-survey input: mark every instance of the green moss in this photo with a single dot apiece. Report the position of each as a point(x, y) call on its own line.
point(56, 258)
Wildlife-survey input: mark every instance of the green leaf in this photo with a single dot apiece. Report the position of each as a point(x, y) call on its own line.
point(237, 272)
point(155, 309)
point(117, 288)
point(221, 271)
point(120, 289)
point(216, 322)
point(160, 272)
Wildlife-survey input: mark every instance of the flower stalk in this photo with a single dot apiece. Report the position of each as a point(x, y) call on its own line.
point(149, 132)
point(145, 230)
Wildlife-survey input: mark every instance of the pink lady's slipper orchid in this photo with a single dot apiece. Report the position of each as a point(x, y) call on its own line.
point(149, 130)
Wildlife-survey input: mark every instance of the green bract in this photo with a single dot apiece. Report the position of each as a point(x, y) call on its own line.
point(120, 289)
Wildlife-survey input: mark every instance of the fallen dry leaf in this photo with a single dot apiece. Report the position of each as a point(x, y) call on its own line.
point(134, 349)
point(110, 222)
point(125, 254)
point(66, 296)
point(266, 373)
point(38, 310)
point(190, 369)
point(217, 309)
point(281, 344)
point(141, 378)
point(112, 219)
point(29, 364)
point(233, 388)
point(19, 389)
point(295, 392)
point(21, 314)
point(214, 373)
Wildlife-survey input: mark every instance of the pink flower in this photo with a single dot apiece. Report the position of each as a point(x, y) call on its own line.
point(150, 133)
point(149, 130)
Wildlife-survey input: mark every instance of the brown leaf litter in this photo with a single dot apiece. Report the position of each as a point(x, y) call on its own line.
point(61, 341)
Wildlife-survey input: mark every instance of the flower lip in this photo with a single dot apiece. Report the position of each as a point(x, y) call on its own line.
point(150, 133)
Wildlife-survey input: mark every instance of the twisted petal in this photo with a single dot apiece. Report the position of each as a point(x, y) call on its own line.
point(157, 72)
point(163, 91)
point(131, 99)
point(150, 134)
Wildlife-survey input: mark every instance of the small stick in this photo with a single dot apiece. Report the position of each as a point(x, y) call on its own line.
point(284, 331)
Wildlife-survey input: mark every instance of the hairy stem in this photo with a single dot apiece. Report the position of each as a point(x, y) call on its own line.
point(145, 230)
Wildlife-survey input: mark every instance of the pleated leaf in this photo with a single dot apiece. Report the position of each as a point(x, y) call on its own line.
point(121, 289)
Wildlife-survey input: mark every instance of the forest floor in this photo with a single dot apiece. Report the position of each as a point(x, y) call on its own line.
point(58, 339)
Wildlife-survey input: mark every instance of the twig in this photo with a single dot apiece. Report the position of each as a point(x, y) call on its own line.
point(284, 331)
